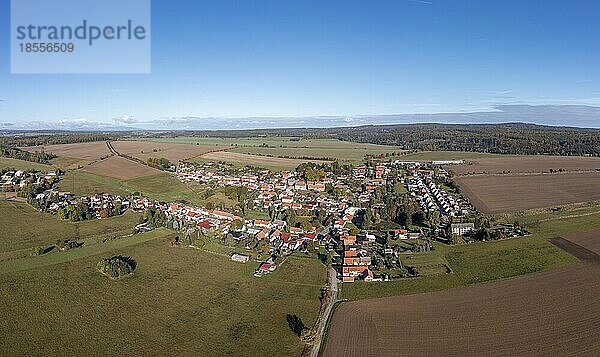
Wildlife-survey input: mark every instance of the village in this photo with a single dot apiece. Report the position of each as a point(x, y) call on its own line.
point(336, 213)
point(343, 197)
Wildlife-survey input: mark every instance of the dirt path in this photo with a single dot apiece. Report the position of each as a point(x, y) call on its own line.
point(333, 286)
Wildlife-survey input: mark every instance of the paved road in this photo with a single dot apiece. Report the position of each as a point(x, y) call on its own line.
point(333, 287)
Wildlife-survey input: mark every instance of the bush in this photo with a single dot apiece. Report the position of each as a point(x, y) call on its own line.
point(37, 251)
point(116, 267)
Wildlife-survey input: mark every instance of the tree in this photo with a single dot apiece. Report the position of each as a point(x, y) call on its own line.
point(236, 225)
point(117, 266)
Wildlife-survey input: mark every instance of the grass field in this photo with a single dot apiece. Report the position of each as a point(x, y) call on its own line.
point(471, 264)
point(22, 227)
point(178, 302)
point(8, 163)
point(162, 186)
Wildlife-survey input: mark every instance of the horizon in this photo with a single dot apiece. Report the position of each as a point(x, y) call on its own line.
point(579, 116)
point(350, 60)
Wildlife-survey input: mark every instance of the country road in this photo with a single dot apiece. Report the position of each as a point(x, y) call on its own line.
point(333, 287)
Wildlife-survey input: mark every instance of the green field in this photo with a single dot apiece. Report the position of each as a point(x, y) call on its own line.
point(22, 227)
point(8, 163)
point(178, 302)
point(471, 264)
point(289, 142)
point(163, 186)
point(291, 147)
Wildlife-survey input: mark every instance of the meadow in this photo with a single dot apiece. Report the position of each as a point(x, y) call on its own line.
point(9, 163)
point(178, 302)
point(162, 186)
point(22, 227)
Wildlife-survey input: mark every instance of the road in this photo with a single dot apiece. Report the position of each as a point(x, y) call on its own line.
point(333, 287)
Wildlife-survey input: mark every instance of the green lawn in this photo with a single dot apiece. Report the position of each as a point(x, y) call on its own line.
point(178, 302)
point(9, 163)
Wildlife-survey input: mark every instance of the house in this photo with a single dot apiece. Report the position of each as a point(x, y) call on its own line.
point(240, 258)
point(461, 229)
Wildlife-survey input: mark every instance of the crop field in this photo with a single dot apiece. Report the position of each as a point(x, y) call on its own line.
point(549, 313)
point(174, 152)
point(274, 163)
point(289, 147)
point(9, 163)
point(445, 155)
point(120, 168)
point(86, 151)
point(527, 164)
point(178, 302)
point(510, 193)
point(285, 142)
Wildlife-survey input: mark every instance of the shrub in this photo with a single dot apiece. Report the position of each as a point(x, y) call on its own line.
point(37, 251)
point(116, 267)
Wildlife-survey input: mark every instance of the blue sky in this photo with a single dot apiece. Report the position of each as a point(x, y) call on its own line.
point(328, 58)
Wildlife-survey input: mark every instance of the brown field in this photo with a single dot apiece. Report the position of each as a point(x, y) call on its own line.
point(544, 314)
point(87, 151)
point(588, 240)
point(120, 168)
point(527, 164)
point(275, 162)
point(174, 152)
point(510, 193)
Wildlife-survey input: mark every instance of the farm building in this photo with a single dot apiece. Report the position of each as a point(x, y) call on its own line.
point(462, 228)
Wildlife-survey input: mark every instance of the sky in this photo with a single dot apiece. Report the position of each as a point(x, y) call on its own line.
point(222, 59)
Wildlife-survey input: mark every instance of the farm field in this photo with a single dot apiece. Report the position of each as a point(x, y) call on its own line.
point(286, 142)
point(527, 164)
point(178, 302)
point(510, 193)
point(274, 163)
point(292, 147)
point(120, 168)
point(446, 155)
point(23, 227)
point(86, 151)
point(174, 152)
point(548, 313)
point(9, 163)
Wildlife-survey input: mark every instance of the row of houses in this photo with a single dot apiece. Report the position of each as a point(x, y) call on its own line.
point(20, 179)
